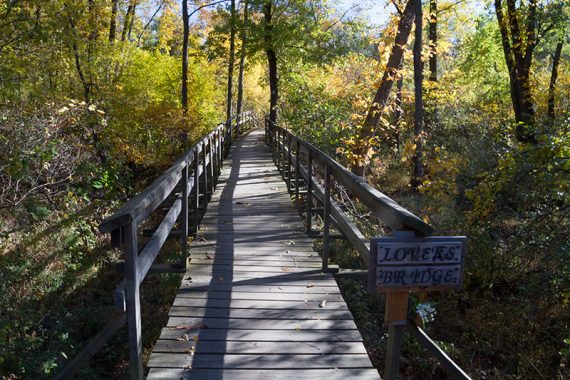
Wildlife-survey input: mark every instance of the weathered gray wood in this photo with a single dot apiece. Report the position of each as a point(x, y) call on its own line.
point(184, 213)
point(249, 335)
point(454, 370)
point(254, 295)
point(140, 207)
point(231, 347)
point(93, 347)
point(205, 312)
point(327, 217)
point(152, 247)
point(258, 304)
point(235, 295)
point(390, 212)
point(132, 283)
point(256, 361)
point(279, 374)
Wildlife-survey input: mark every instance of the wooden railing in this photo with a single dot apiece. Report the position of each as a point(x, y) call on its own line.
point(185, 188)
point(306, 167)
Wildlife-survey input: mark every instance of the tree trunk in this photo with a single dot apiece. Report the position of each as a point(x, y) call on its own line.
point(128, 16)
point(398, 114)
point(231, 61)
point(185, 34)
point(271, 61)
point(418, 171)
point(113, 27)
point(518, 47)
point(553, 78)
point(242, 61)
point(432, 117)
point(381, 98)
point(132, 21)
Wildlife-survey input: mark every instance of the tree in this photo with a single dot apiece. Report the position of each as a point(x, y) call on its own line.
point(231, 61)
point(242, 58)
point(271, 59)
point(390, 74)
point(418, 171)
point(521, 29)
point(553, 79)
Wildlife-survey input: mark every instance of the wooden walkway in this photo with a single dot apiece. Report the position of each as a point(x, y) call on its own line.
point(254, 303)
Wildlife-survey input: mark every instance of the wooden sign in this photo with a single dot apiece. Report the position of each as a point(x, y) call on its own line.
point(398, 264)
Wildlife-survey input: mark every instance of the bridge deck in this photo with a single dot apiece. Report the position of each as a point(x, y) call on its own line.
point(254, 303)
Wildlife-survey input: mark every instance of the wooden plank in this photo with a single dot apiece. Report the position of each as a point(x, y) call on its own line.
point(262, 324)
point(254, 296)
point(279, 374)
point(231, 347)
point(204, 312)
point(249, 335)
point(285, 288)
point(260, 282)
point(239, 262)
point(257, 304)
point(236, 295)
point(258, 361)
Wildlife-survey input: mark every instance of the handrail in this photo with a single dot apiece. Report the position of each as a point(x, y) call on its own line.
point(288, 149)
point(194, 175)
point(401, 221)
point(143, 204)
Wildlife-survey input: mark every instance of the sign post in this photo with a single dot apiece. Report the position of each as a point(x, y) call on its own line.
point(404, 263)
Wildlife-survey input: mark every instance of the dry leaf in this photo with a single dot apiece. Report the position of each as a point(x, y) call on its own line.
point(208, 257)
point(323, 304)
point(183, 338)
point(310, 285)
point(286, 269)
point(195, 326)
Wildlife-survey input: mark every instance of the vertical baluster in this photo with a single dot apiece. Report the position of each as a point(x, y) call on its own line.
point(196, 188)
point(297, 167)
point(288, 161)
point(309, 199)
point(219, 151)
point(184, 214)
point(132, 282)
point(327, 218)
point(211, 166)
point(205, 198)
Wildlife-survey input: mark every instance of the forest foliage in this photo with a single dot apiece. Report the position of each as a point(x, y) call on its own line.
point(91, 109)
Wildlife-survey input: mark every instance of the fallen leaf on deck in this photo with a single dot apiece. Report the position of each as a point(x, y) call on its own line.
point(183, 338)
point(310, 285)
point(323, 304)
point(208, 257)
point(195, 326)
point(286, 269)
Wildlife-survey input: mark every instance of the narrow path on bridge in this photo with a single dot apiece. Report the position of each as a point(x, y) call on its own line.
point(254, 303)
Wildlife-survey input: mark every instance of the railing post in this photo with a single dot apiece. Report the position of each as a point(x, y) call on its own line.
point(184, 214)
point(277, 149)
point(309, 192)
point(396, 317)
point(196, 189)
point(132, 282)
point(297, 167)
point(219, 151)
point(205, 174)
point(211, 165)
point(288, 162)
point(327, 218)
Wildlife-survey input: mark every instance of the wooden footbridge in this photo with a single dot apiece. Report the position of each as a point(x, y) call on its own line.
point(256, 300)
